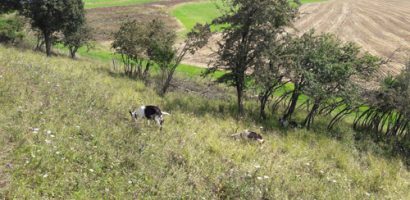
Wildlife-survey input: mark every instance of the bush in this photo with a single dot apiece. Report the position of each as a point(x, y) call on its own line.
point(11, 30)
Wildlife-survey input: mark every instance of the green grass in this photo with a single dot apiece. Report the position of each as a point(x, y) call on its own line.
point(103, 54)
point(88, 148)
point(203, 12)
point(112, 3)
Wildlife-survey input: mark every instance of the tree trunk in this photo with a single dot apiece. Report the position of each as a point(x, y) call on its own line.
point(73, 52)
point(47, 39)
point(239, 91)
point(167, 82)
point(293, 103)
point(311, 116)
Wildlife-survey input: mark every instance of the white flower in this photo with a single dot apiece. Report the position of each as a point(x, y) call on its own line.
point(35, 130)
point(265, 177)
point(334, 181)
point(129, 182)
point(48, 132)
point(259, 178)
point(52, 136)
point(58, 153)
point(367, 194)
point(307, 164)
point(47, 141)
point(257, 166)
point(91, 170)
point(45, 175)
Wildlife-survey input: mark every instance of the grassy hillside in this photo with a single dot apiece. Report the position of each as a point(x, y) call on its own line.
point(203, 12)
point(110, 3)
point(71, 137)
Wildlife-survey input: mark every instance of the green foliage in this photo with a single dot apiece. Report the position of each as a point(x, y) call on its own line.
point(323, 68)
point(77, 38)
point(9, 6)
point(54, 16)
point(154, 42)
point(11, 29)
point(388, 114)
point(251, 25)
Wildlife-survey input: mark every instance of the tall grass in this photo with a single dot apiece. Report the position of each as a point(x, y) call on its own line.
point(87, 147)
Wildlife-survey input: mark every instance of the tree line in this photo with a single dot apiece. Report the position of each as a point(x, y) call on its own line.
point(55, 21)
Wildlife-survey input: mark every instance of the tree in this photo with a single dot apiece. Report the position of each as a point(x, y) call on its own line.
point(388, 110)
point(133, 43)
point(168, 57)
point(322, 68)
point(9, 5)
point(249, 25)
point(77, 38)
point(271, 70)
point(53, 16)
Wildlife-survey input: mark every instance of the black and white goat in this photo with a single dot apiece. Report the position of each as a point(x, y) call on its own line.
point(149, 112)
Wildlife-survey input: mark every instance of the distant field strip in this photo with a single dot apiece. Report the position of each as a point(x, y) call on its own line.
point(110, 3)
point(203, 12)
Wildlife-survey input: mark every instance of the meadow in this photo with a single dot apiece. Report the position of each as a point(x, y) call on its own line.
point(65, 133)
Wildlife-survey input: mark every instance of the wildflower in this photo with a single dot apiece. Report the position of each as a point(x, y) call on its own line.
point(52, 136)
point(47, 141)
point(91, 170)
point(259, 178)
point(307, 164)
point(129, 182)
point(265, 177)
point(58, 153)
point(257, 166)
point(45, 175)
point(77, 126)
point(35, 130)
point(48, 132)
point(367, 194)
point(334, 181)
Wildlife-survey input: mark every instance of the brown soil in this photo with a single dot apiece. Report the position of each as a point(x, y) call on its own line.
point(379, 26)
point(105, 21)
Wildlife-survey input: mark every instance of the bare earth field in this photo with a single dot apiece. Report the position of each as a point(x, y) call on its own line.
point(380, 27)
point(108, 20)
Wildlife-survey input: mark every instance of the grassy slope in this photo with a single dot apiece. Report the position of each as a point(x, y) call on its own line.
point(110, 3)
point(203, 12)
point(93, 149)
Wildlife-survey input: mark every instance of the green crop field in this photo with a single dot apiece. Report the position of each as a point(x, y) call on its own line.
point(203, 12)
point(111, 3)
point(65, 133)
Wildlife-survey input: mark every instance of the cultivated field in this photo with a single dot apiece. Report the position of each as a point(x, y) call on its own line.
point(379, 26)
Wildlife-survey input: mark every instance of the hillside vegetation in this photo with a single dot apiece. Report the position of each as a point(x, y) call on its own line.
point(71, 136)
